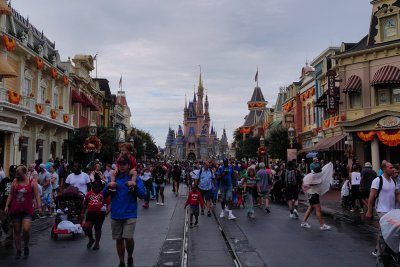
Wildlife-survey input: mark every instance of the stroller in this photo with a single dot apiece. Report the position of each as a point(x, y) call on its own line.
point(389, 240)
point(69, 207)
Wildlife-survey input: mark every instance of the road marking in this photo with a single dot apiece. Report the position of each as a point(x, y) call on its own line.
point(171, 252)
point(173, 239)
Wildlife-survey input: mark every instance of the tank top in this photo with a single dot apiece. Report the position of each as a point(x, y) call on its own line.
point(22, 201)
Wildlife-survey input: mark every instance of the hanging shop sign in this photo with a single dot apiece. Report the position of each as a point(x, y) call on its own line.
point(389, 122)
point(332, 93)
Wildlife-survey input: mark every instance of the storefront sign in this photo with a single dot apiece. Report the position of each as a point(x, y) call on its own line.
point(8, 119)
point(332, 92)
point(389, 122)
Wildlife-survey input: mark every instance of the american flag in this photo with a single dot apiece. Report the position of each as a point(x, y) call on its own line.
point(120, 82)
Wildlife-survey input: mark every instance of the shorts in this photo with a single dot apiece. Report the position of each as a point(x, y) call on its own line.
point(160, 185)
point(265, 194)
point(18, 217)
point(46, 199)
point(194, 210)
point(314, 199)
point(123, 228)
point(226, 193)
point(95, 218)
point(207, 194)
point(291, 193)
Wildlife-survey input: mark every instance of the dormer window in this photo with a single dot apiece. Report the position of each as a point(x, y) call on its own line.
point(389, 27)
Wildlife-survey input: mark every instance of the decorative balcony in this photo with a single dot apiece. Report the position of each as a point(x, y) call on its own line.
point(29, 106)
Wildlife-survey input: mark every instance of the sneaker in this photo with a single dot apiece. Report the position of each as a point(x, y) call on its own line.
point(361, 211)
point(375, 253)
point(130, 262)
point(267, 210)
point(296, 214)
point(162, 203)
point(222, 214)
point(158, 203)
point(352, 210)
point(291, 215)
point(305, 225)
point(209, 213)
point(145, 205)
point(26, 252)
point(196, 222)
point(18, 255)
point(191, 225)
point(202, 212)
point(325, 227)
point(231, 216)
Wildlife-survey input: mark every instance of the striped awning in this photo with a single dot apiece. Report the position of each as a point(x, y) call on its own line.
point(353, 85)
point(76, 97)
point(387, 75)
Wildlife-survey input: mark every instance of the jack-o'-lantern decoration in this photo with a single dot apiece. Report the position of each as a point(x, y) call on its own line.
point(39, 108)
point(53, 73)
point(53, 114)
point(39, 63)
point(65, 118)
point(65, 80)
point(9, 43)
point(14, 97)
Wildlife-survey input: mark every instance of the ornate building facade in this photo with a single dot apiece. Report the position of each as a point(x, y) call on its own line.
point(197, 139)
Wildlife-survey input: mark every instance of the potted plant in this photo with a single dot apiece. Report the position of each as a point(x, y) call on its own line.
point(60, 107)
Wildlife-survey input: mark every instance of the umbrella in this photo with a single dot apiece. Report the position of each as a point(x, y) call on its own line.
point(390, 228)
point(318, 183)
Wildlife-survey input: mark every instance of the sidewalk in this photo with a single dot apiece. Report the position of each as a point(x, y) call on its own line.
point(331, 205)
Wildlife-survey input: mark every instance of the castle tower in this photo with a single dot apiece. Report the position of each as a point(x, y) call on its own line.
point(223, 145)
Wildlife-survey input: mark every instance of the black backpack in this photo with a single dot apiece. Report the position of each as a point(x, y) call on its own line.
point(290, 178)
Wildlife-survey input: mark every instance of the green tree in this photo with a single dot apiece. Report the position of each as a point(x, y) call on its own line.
point(247, 148)
point(277, 142)
point(150, 150)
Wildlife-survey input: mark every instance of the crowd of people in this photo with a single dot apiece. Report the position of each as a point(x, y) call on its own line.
point(114, 187)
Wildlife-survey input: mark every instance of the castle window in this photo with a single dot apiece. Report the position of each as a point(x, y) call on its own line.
point(389, 27)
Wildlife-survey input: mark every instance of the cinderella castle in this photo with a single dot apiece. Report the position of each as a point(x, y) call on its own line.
point(196, 140)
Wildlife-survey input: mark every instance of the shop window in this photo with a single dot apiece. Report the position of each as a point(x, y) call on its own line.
point(355, 100)
point(383, 97)
point(27, 88)
point(396, 95)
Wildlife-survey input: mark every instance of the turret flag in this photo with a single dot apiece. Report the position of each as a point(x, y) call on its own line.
point(256, 78)
point(120, 82)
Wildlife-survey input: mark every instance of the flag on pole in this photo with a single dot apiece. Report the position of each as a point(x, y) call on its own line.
point(95, 57)
point(120, 82)
point(256, 78)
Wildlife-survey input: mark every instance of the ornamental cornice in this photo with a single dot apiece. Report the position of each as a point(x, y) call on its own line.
point(369, 52)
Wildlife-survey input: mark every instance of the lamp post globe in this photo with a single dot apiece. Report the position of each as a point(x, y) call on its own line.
point(92, 128)
point(291, 135)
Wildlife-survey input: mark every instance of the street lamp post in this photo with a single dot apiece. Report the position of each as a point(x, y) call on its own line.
point(291, 135)
point(92, 132)
point(144, 150)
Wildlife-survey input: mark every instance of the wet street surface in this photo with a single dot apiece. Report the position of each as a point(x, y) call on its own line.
point(271, 240)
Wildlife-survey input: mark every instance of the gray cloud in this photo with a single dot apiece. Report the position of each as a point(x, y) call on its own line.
point(158, 45)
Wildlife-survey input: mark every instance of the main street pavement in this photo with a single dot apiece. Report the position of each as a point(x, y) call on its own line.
point(271, 240)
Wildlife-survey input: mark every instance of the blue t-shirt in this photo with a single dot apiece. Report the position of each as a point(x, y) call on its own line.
point(206, 177)
point(226, 175)
point(123, 203)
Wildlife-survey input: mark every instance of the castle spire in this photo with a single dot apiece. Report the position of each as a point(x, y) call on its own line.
point(200, 81)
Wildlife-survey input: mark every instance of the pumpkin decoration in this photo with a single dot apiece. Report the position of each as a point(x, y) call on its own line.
point(327, 122)
point(389, 137)
point(65, 118)
point(65, 80)
point(39, 63)
point(92, 144)
point(53, 114)
point(245, 130)
point(39, 108)
point(366, 136)
point(9, 43)
point(312, 91)
point(335, 120)
point(13, 97)
point(54, 73)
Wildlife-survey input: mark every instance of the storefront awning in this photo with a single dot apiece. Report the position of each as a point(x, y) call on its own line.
point(321, 101)
point(76, 98)
point(353, 85)
point(386, 75)
point(328, 143)
point(89, 102)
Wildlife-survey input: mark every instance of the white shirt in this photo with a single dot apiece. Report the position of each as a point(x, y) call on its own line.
point(146, 176)
point(355, 178)
point(387, 196)
point(55, 184)
point(2, 175)
point(194, 174)
point(79, 181)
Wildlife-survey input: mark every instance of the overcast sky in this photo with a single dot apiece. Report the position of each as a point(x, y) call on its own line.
point(158, 46)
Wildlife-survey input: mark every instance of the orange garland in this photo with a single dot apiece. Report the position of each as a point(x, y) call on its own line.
point(9, 43)
point(65, 118)
point(54, 73)
point(245, 130)
point(39, 108)
point(389, 137)
point(366, 136)
point(53, 114)
point(335, 120)
point(327, 122)
point(65, 80)
point(39, 63)
point(13, 97)
point(312, 91)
